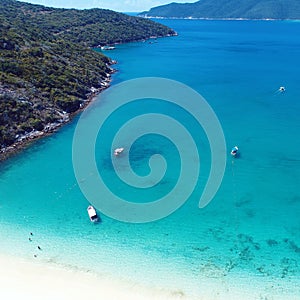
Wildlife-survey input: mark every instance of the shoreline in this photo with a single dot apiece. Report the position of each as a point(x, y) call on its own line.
point(24, 141)
point(27, 139)
point(55, 281)
point(215, 19)
point(34, 279)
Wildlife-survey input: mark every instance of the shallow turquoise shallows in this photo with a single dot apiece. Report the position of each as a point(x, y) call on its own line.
point(249, 235)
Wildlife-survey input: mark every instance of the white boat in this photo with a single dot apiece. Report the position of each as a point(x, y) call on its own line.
point(118, 151)
point(92, 214)
point(234, 151)
point(282, 89)
point(108, 48)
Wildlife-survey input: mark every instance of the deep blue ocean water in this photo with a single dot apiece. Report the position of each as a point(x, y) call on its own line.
point(249, 235)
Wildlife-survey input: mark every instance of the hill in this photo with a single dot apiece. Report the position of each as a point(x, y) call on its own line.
point(229, 9)
point(47, 67)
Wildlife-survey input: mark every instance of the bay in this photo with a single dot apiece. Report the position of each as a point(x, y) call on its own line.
point(248, 236)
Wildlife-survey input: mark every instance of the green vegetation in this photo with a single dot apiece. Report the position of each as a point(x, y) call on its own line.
point(47, 66)
point(221, 9)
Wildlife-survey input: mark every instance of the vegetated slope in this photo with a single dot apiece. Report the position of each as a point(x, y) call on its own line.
point(222, 9)
point(47, 66)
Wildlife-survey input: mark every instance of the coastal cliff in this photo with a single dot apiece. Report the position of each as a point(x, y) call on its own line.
point(48, 68)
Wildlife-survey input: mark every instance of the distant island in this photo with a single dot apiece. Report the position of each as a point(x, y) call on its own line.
point(48, 67)
point(228, 9)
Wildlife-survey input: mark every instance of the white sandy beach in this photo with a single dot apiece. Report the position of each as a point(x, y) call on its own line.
point(21, 279)
point(24, 279)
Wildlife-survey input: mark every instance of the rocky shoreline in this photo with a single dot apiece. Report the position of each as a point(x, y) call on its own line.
point(49, 67)
point(24, 140)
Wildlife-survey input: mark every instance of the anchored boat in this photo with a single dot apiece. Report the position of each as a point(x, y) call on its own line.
point(234, 151)
point(108, 48)
point(118, 151)
point(92, 214)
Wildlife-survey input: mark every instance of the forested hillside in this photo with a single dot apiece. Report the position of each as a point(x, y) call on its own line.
point(229, 9)
point(47, 66)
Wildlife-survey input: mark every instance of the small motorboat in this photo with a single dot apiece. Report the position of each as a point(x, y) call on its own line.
point(118, 151)
point(281, 89)
point(92, 214)
point(234, 151)
point(108, 48)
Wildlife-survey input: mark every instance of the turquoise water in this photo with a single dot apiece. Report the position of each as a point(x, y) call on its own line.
point(249, 235)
